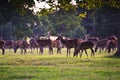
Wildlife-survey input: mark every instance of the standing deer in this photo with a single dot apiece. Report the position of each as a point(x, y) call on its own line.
point(57, 44)
point(2, 44)
point(71, 43)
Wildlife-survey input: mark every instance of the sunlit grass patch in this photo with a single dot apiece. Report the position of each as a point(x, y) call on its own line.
point(33, 66)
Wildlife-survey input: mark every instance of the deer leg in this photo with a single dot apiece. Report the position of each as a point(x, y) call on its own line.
point(41, 50)
point(92, 52)
point(100, 49)
point(3, 51)
point(37, 49)
point(25, 50)
point(108, 49)
point(50, 50)
point(31, 49)
point(58, 50)
point(67, 52)
point(21, 51)
point(96, 49)
point(86, 52)
point(15, 49)
point(76, 51)
point(81, 53)
point(113, 49)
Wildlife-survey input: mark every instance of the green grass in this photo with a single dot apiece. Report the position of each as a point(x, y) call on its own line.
point(33, 66)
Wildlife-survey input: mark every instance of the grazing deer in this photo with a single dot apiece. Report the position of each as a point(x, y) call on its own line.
point(101, 44)
point(44, 43)
point(22, 44)
point(93, 39)
point(9, 44)
point(84, 46)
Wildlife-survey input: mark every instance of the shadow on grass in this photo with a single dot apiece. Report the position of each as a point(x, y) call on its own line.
point(21, 77)
point(112, 56)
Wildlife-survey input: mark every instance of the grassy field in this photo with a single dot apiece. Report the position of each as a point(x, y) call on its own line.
point(33, 66)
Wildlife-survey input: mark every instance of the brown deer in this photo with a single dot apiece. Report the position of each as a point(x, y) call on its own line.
point(101, 45)
point(84, 46)
point(9, 44)
point(17, 45)
point(111, 46)
point(44, 43)
point(112, 38)
point(71, 43)
point(93, 39)
point(33, 44)
point(2, 44)
point(57, 44)
point(22, 44)
point(114, 41)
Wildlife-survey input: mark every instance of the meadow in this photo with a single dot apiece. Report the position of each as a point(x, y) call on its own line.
point(33, 66)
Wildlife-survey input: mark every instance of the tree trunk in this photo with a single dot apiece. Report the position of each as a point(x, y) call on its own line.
point(118, 50)
point(118, 46)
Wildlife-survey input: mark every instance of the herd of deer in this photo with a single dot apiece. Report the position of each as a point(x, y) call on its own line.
point(93, 43)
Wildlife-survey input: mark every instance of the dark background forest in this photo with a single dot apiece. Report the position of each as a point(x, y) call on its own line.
point(17, 21)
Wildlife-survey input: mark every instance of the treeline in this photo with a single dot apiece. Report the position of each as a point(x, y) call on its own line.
point(74, 22)
point(103, 22)
point(63, 22)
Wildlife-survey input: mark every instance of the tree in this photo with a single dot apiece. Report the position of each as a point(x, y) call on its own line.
point(79, 32)
point(9, 7)
point(114, 21)
point(18, 14)
point(65, 21)
point(40, 31)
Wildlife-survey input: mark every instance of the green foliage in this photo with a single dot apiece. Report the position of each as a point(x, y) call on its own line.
point(64, 2)
point(41, 31)
point(94, 4)
point(20, 5)
point(6, 31)
point(79, 32)
point(23, 25)
point(14, 11)
point(65, 21)
point(104, 22)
